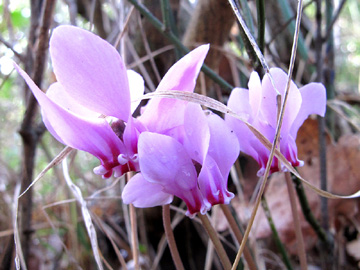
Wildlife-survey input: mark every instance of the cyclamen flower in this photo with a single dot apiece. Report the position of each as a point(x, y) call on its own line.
point(179, 149)
point(92, 81)
point(259, 103)
point(194, 165)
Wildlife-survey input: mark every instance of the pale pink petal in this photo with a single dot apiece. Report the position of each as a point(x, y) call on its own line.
point(269, 105)
point(313, 102)
point(224, 146)
point(91, 71)
point(57, 94)
point(131, 135)
point(142, 193)
point(164, 161)
point(255, 93)
point(239, 103)
point(137, 88)
point(212, 183)
point(92, 135)
point(161, 114)
point(183, 74)
point(197, 132)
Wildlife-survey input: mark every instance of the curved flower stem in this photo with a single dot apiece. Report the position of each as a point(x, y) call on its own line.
point(239, 236)
point(170, 238)
point(299, 237)
point(278, 242)
point(134, 239)
point(216, 241)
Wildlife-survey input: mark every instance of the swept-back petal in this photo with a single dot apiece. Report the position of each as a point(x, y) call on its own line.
point(92, 135)
point(91, 71)
point(239, 103)
point(137, 88)
point(212, 183)
point(142, 193)
point(162, 114)
point(313, 102)
point(183, 74)
point(57, 94)
point(197, 132)
point(269, 106)
point(224, 146)
point(255, 93)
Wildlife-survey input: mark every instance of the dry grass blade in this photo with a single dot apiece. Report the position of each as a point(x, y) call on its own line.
point(63, 154)
point(85, 213)
point(19, 258)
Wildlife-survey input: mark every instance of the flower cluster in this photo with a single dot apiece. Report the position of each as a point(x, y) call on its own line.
point(176, 148)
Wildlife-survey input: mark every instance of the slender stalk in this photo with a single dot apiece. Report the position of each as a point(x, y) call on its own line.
point(299, 237)
point(176, 41)
point(170, 238)
point(275, 234)
point(239, 236)
point(216, 241)
point(134, 239)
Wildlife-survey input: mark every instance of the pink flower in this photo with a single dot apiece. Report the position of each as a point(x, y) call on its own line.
point(92, 82)
point(259, 103)
point(194, 165)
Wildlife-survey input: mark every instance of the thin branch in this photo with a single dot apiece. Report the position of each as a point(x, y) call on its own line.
point(9, 46)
